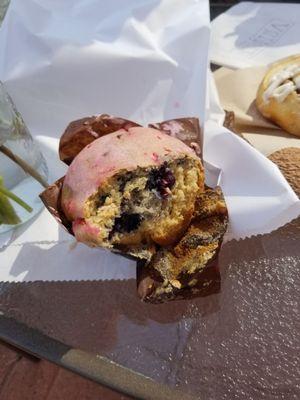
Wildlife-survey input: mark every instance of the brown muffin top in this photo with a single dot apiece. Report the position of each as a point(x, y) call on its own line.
point(288, 161)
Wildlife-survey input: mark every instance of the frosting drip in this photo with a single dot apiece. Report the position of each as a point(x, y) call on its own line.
point(297, 81)
point(278, 88)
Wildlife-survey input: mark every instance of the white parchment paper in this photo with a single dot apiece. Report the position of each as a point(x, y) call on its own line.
point(145, 60)
point(252, 33)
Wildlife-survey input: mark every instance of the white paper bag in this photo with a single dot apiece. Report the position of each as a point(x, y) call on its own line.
point(145, 60)
point(140, 59)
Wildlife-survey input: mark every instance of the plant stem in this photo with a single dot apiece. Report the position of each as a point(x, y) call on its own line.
point(23, 164)
point(15, 198)
point(8, 215)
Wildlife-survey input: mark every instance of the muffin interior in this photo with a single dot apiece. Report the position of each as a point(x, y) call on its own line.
point(147, 205)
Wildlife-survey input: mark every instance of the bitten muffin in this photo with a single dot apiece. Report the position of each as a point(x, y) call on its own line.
point(182, 270)
point(135, 187)
point(278, 96)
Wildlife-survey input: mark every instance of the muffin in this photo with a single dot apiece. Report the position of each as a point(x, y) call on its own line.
point(136, 187)
point(187, 269)
point(81, 132)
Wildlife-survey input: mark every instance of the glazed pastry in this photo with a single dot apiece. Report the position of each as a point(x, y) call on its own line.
point(135, 187)
point(278, 96)
point(184, 270)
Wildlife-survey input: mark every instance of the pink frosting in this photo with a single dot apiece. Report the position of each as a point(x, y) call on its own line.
point(84, 231)
point(103, 158)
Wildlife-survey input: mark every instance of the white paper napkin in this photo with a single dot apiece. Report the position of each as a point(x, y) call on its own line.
point(144, 60)
point(251, 34)
point(62, 261)
point(258, 197)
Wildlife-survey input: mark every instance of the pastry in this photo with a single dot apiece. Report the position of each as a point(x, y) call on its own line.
point(288, 161)
point(184, 270)
point(278, 96)
point(136, 186)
